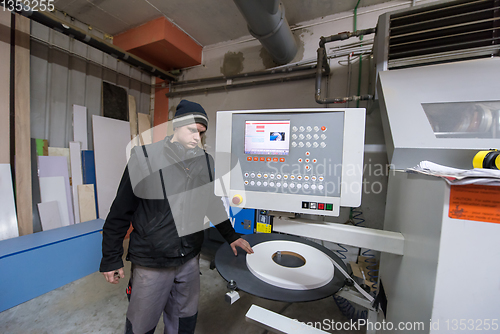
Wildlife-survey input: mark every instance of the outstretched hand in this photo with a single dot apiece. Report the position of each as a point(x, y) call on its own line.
point(243, 244)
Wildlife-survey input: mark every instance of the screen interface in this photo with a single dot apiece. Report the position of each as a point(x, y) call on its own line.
point(267, 137)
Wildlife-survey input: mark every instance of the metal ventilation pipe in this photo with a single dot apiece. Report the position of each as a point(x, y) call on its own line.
point(266, 22)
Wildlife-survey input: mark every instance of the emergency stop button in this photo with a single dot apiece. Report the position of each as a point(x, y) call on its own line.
point(237, 199)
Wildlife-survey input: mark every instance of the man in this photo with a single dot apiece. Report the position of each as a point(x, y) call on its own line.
point(166, 191)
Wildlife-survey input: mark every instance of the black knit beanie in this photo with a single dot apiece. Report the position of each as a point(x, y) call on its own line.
point(188, 112)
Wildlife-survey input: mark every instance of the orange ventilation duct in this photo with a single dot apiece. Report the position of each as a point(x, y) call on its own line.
point(162, 44)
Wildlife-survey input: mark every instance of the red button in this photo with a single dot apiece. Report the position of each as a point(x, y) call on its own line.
point(255, 158)
point(275, 159)
point(323, 128)
point(321, 206)
point(249, 158)
point(282, 159)
point(262, 159)
point(268, 159)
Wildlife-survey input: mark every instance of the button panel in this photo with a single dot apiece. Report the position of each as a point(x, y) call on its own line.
point(308, 140)
point(315, 148)
point(312, 137)
point(317, 206)
point(313, 182)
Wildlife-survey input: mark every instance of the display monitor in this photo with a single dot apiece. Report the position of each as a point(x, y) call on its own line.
point(267, 137)
point(294, 160)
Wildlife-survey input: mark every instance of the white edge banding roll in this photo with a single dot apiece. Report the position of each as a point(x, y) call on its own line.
point(317, 271)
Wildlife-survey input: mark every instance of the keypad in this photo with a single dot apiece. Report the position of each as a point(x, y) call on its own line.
point(306, 144)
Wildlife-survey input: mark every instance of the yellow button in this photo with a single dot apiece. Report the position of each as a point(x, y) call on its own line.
point(237, 199)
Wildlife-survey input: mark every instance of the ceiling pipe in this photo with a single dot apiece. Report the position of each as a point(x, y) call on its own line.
point(244, 75)
point(345, 35)
point(53, 22)
point(267, 22)
point(322, 67)
point(240, 85)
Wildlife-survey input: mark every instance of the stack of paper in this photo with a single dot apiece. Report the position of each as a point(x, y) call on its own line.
point(457, 176)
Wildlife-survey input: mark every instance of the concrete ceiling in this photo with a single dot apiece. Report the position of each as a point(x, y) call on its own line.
point(206, 21)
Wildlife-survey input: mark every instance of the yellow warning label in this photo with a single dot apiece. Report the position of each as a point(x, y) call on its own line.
point(263, 228)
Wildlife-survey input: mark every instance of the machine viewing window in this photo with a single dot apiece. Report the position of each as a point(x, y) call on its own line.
point(479, 119)
point(267, 137)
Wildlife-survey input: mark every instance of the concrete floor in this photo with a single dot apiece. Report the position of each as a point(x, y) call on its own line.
point(91, 305)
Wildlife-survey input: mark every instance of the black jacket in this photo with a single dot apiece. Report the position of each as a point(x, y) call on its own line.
point(166, 193)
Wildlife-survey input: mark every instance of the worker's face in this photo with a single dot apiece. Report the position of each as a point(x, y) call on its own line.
point(189, 135)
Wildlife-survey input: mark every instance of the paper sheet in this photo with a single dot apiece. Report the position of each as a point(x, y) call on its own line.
point(458, 176)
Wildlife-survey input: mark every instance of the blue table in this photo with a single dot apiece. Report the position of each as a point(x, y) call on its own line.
point(35, 264)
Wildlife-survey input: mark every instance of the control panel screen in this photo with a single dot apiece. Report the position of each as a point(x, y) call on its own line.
point(267, 137)
point(292, 160)
point(293, 153)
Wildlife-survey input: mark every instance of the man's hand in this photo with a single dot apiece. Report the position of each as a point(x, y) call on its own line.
point(243, 244)
point(114, 276)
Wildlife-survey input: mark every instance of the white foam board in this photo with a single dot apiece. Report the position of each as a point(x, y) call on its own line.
point(111, 137)
point(53, 188)
point(8, 217)
point(58, 166)
point(50, 215)
point(75, 153)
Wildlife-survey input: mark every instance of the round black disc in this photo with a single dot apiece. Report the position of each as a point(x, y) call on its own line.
point(235, 268)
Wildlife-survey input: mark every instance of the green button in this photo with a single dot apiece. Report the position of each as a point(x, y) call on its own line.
point(329, 207)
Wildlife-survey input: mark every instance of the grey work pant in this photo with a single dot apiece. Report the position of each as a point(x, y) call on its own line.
point(172, 291)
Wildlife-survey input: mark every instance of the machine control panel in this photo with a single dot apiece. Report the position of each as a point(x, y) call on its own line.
point(295, 160)
point(289, 153)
